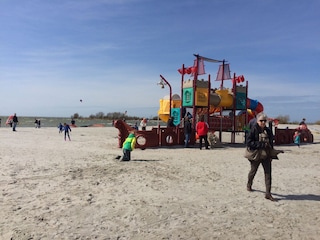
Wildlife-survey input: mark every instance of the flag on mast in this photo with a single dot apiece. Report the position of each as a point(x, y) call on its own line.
point(199, 65)
point(223, 72)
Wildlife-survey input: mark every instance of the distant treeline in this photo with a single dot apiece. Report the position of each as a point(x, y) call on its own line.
point(286, 120)
point(283, 119)
point(110, 116)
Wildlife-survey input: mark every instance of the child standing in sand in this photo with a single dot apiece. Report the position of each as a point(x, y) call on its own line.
point(66, 131)
point(60, 126)
point(128, 146)
point(296, 138)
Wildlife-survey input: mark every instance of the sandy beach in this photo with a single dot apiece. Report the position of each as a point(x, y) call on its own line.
point(56, 189)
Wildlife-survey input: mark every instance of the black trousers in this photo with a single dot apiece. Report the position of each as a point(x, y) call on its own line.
point(206, 143)
point(266, 164)
point(126, 155)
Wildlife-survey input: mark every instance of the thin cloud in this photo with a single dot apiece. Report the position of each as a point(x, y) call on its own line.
point(108, 50)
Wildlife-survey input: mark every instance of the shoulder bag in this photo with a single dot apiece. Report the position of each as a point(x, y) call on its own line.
point(252, 155)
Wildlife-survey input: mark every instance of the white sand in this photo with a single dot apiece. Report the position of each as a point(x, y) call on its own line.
point(52, 189)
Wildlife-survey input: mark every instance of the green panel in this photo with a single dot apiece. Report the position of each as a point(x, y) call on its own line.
point(241, 101)
point(175, 113)
point(187, 97)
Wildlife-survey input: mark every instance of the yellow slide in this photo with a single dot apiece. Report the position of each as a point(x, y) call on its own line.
point(163, 112)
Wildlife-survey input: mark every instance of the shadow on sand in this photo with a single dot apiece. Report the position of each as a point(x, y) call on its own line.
point(298, 197)
point(294, 197)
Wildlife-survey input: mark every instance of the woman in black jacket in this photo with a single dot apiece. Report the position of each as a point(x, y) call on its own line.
point(261, 137)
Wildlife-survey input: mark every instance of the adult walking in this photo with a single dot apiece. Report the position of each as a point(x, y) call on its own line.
point(202, 129)
point(260, 137)
point(14, 122)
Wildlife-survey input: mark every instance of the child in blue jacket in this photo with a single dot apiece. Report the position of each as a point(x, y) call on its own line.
point(66, 131)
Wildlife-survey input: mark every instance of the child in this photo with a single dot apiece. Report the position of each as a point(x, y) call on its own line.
point(296, 138)
point(128, 146)
point(66, 131)
point(60, 126)
point(212, 139)
point(143, 124)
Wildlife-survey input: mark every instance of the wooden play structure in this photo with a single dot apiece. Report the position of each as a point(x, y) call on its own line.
point(285, 136)
point(156, 137)
point(225, 109)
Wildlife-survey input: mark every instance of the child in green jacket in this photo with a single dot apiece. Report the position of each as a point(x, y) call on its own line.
point(128, 146)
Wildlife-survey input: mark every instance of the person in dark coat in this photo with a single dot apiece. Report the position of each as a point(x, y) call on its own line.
point(187, 131)
point(66, 131)
point(14, 122)
point(170, 122)
point(260, 137)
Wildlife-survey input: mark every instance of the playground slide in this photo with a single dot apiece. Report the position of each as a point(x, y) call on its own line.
point(217, 101)
point(221, 98)
point(163, 112)
point(254, 105)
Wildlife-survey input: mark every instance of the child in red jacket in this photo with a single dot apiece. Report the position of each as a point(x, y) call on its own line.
point(202, 129)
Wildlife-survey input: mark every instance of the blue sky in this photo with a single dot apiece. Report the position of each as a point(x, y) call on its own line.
point(110, 53)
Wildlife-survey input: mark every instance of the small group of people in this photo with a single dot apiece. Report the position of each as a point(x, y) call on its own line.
point(202, 129)
point(259, 137)
point(13, 122)
point(37, 123)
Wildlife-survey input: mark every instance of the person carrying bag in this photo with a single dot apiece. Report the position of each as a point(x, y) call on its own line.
point(259, 150)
